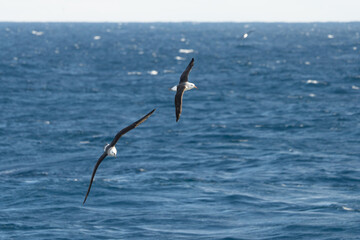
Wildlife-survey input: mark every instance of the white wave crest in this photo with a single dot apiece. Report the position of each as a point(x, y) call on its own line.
point(37, 33)
point(153, 72)
point(186, 51)
point(134, 73)
point(312, 81)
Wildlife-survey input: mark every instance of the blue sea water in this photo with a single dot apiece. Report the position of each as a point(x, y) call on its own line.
point(268, 147)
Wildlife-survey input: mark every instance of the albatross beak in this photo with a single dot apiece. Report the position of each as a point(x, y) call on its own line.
point(195, 87)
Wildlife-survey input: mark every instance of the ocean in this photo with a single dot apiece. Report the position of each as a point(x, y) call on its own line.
point(268, 147)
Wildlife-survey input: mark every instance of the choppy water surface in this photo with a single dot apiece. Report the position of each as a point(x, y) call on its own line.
point(268, 147)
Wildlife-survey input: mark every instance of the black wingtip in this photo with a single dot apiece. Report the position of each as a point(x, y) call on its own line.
point(146, 116)
point(150, 113)
point(84, 200)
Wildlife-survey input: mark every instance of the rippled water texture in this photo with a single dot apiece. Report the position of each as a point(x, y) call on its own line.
point(267, 148)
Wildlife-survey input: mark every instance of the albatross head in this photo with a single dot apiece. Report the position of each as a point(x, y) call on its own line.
point(189, 86)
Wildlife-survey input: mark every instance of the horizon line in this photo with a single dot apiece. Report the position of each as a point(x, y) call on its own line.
point(246, 22)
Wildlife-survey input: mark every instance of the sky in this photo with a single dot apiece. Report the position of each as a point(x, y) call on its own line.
point(179, 11)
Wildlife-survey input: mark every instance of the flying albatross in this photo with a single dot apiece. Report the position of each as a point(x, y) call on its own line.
point(183, 86)
point(110, 149)
point(247, 34)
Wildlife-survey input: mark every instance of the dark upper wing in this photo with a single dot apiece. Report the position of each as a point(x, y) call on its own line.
point(178, 100)
point(93, 174)
point(185, 74)
point(128, 128)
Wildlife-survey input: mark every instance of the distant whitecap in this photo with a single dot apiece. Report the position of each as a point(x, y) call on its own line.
point(168, 71)
point(116, 179)
point(312, 81)
point(134, 73)
point(36, 33)
point(31, 181)
point(312, 95)
point(307, 63)
point(182, 39)
point(95, 136)
point(97, 37)
point(7, 171)
point(355, 87)
point(153, 72)
point(330, 36)
point(47, 122)
point(186, 51)
point(179, 58)
point(347, 209)
point(84, 142)
point(354, 48)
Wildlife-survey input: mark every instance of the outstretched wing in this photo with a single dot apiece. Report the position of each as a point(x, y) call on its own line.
point(130, 127)
point(178, 100)
point(185, 74)
point(93, 174)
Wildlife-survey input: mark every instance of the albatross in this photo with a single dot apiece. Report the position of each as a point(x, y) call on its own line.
point(247, 34)
point(184, 85)
point(110, 149)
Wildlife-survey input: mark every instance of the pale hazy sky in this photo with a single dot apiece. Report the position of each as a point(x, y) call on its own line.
point(175, 11)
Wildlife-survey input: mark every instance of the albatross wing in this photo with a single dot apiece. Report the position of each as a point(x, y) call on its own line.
point(130, 127)
point(178, 100)
point(185, 74)
point(93, 174)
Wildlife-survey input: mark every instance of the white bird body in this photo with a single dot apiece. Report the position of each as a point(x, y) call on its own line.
point(111, 151)
point(188, 86)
